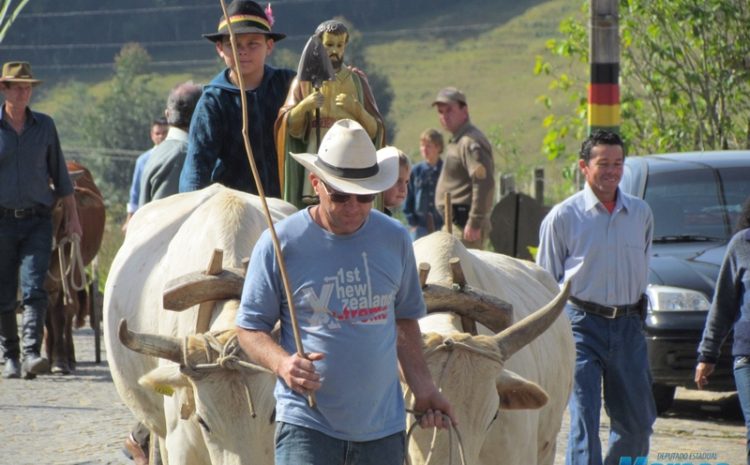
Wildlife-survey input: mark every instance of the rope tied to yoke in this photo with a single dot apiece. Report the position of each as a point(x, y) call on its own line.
point(228, 359)
point(449, 344)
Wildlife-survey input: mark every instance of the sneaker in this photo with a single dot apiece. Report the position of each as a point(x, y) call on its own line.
point(12, 369)
point(34, 365)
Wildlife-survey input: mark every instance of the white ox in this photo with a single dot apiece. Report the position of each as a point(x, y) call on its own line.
point(166, 240)
point(497, 400)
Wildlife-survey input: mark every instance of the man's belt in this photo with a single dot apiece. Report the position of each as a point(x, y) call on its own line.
point(20, 213)
point(607, 311)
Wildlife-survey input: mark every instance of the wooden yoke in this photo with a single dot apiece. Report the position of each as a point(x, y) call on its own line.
point(459, 282)
point(204, 288)
point(472, 305)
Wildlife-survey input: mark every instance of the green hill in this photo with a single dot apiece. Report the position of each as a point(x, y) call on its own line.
point(486, 48)
point(494, 68)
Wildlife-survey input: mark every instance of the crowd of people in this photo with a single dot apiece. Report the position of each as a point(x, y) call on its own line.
point(323, 148)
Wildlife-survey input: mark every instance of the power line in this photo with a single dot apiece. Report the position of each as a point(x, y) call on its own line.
point(191, 43)
point(145, 10)
point(123, 154)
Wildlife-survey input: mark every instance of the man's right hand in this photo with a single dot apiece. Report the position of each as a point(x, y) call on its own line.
point(299, 372)
point(702, 371)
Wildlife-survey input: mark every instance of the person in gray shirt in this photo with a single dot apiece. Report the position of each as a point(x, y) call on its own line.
point(730, 312)
point(600, 240)
point(161, 175)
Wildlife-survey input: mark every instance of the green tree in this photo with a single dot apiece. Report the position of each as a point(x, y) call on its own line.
point(7, 19)
point(120, 121)
point(684, 77)
point(379, 82)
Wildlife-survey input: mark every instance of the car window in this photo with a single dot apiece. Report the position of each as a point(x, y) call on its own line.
point(736, 190)
point(690, 202)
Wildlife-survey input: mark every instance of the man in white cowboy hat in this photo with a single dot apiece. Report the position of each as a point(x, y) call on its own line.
point(357, 297)
point(216, 151)
point(30, 156)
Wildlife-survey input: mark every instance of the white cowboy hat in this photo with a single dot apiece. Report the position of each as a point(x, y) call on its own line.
point(348, 162)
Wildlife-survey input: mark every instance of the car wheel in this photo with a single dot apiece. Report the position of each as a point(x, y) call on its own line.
point(663, 396)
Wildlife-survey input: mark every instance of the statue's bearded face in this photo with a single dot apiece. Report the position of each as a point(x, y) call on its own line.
point(335, 45)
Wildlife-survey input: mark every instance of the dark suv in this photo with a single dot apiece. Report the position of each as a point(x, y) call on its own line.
point(696, 199)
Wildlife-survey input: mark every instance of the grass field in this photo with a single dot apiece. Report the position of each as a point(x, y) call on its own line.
point(495, 69)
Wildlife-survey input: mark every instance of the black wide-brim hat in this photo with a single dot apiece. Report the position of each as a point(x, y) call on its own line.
point(246, 17)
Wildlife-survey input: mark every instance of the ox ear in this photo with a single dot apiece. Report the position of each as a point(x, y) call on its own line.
point(517, 393)
point(168, 380)
point(164, 380)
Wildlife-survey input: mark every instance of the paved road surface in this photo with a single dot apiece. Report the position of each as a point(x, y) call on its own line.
point(79, 419)
point(74, 419)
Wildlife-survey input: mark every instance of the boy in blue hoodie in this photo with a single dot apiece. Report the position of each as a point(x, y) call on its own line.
point(216, 152)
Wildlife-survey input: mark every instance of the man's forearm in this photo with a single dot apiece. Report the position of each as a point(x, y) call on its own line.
point(411, 358)
point(261, 348)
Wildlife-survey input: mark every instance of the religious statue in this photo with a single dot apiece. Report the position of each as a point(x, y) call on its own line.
point(299, 126)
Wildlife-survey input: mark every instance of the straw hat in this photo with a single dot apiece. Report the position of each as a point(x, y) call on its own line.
point(18, 71)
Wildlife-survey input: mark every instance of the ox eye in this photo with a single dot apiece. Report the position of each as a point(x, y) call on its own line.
point(203, 424)
point(493, 419)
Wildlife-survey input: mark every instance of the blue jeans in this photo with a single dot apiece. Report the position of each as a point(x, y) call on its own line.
point(296, 445)
point(25, 244)
point(742, 380)
point(612, 352)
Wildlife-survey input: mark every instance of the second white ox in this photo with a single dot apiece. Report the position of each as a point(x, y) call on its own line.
point(166, 240)
point(509, 410)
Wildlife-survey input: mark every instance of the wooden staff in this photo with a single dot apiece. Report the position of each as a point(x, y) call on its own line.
point(261, 194)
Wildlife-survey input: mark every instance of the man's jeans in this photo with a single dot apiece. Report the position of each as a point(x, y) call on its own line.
point(297, 445)
point(612, 351)
point(25, 243)
point(742, 380)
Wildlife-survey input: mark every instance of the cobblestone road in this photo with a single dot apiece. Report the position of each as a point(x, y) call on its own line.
point(74, 419)
point(79, 419)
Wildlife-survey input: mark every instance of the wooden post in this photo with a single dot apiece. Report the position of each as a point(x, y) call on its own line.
point(206, 309)
point(424, 271)
point(459, 281)
point(457, 273)
point(539, 185)
point(507, 184)
point(448, 213)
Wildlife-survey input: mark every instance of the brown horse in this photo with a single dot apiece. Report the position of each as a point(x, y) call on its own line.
point(66, 280)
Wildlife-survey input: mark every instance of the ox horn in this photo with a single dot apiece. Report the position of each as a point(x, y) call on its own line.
point(155, 345)
point(520, 334)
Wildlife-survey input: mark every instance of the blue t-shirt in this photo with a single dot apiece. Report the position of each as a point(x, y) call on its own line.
point(348, 292)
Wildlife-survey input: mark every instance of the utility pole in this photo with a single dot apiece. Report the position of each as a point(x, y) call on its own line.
point(604, 57)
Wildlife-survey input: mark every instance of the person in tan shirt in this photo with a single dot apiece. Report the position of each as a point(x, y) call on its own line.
point(468, 171)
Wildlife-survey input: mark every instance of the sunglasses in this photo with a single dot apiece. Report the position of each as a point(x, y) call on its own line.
point(340, 197)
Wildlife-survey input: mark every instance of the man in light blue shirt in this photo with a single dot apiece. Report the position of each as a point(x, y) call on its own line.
point(159, 129)
point(357, 297)
point(600, 240)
